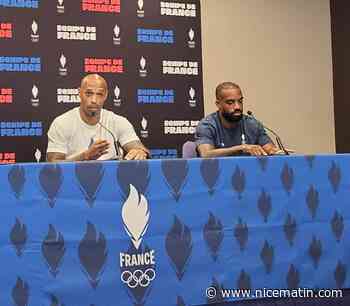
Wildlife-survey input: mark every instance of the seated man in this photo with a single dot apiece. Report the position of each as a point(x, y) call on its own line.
point(86, 132)
point(228, 132)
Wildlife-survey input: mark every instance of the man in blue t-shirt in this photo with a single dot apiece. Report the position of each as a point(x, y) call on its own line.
point(228, 132)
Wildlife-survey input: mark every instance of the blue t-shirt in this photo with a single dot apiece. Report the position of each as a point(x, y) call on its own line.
point(211, 131)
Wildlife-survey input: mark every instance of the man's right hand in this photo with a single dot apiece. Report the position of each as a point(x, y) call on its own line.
point(97, 149)
point(254, 150)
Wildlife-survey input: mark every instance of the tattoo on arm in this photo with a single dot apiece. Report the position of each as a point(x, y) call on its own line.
point(54, 157)
point(136, 144)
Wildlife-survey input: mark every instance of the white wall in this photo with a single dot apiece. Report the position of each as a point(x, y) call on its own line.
point(279, 52)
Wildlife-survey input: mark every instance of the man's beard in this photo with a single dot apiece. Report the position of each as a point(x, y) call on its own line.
point(232, 117)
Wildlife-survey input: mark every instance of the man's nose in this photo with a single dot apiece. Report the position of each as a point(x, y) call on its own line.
point(93, 99)
point(235, 106)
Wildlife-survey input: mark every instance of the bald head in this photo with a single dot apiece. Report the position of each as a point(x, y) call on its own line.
point(94, 78)
point(93, 94)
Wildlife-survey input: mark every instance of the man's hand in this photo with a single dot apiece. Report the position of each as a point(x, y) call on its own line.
point(98, 148)
point(137, 154)
point(255, 150)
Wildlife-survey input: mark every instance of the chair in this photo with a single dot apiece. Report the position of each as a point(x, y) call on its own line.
point(189, 150)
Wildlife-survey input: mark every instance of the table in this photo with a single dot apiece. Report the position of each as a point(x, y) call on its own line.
point(160, 232)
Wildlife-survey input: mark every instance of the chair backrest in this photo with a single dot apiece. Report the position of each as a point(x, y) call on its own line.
point(189, 150)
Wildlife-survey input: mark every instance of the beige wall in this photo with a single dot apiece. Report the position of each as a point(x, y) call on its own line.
point(279, 51)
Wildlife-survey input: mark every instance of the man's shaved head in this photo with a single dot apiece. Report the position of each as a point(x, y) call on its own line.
point(93, 94)
point(93, 77)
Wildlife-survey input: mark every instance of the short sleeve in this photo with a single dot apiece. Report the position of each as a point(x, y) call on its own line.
point(126, 132)
point(263, 138)
point(204, 133)
point(57, 141)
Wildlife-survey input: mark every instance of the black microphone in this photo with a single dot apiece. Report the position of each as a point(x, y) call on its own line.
point(115, 142)
point(278, 139)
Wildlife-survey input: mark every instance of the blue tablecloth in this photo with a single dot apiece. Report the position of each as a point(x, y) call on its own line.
point(160, 232)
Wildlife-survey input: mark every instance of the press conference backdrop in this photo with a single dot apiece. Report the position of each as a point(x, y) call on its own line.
point(148, 51)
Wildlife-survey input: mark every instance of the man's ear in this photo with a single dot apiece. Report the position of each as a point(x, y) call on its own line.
point(217, 103)
point(106, 93)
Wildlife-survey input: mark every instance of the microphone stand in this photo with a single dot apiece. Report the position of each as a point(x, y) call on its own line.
point(278, 139)
point(115, 142)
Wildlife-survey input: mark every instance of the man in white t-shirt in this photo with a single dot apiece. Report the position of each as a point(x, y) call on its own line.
point(89, 132)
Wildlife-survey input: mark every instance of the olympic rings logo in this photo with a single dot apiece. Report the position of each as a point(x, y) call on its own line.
point(138, 278)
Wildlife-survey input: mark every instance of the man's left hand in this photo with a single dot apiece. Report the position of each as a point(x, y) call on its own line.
point(136, 154)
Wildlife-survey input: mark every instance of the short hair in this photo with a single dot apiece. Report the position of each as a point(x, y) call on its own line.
point(225, 85)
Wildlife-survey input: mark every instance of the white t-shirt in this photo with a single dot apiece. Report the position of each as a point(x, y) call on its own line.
point(70, 135)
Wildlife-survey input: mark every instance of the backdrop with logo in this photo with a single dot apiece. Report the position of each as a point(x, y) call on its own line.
point(97, 234)
point(149, 52)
